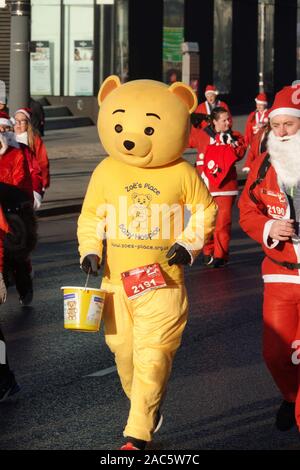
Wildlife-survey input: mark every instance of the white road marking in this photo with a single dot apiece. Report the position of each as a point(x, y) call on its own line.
point(102, 372)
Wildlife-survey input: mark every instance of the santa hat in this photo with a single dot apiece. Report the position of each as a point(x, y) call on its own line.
point(26, 111)
point(211, 89)
point(287, 101)
point(4, 119)
point(261, 99)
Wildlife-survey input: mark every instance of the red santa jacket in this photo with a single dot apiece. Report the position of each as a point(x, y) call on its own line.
point(256, 218)
point(204, 108)
point(43, 161)
point(34, 169)
point(257, 147)
point(254, 123)
point(203, 139)
point(14, 170)
point(3, 230)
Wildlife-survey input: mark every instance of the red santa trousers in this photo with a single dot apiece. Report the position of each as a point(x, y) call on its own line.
point(218, 246)
point(281, 329)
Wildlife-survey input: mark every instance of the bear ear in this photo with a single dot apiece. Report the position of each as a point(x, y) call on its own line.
point(186, 94)
point(109, 84)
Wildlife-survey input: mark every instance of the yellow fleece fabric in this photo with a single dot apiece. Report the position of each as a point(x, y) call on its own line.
point(142, 199)
point(137, 208)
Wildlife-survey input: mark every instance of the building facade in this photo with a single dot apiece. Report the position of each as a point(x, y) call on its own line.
point(245, 46)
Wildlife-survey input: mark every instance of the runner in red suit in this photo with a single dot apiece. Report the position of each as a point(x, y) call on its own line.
point(219, 148)
point(257, 119)
point(205, 109)
point(270, 214)
point(257, 147)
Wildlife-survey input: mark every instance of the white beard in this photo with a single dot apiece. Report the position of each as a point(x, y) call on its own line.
point(285, 157)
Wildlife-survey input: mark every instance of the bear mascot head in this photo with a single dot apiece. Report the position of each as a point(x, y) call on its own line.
point(145, 123)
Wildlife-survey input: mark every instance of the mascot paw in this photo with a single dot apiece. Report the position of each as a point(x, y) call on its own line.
point(178, 255)
point(90, 264)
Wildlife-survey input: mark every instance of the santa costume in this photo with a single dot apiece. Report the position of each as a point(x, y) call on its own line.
point(217, 155)
point(17, 195)
point(205, 109)
point(256, 119)
point(272, 192)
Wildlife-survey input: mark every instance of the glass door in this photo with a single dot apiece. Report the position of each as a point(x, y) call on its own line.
point(45, 47)
point(78, 48)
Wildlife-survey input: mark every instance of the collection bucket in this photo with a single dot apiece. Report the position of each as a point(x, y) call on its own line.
point(83, 308)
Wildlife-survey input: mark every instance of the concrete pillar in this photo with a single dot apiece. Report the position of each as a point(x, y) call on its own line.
point(19, 55)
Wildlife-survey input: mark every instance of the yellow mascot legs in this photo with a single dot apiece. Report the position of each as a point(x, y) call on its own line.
point(144, 334)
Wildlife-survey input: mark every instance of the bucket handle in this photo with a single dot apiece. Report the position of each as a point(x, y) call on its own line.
point(87, 278)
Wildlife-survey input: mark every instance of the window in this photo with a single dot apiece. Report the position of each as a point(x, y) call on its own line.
point(222, 45)
point(79, 48)
point(173, 37)
point(45, 54)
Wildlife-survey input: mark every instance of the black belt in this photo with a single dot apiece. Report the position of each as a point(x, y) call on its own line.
point(285, 264)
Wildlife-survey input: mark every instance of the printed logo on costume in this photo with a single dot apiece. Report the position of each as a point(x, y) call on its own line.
point(140, 212)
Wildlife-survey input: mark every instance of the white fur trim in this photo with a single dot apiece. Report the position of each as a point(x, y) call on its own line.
point(215, 92)
point(266, 232)
point(21, 110)
point(288, 111)
point(225, 193)
point(289, 278)
point(4, 145)
point(5, 122)
point(260, 102)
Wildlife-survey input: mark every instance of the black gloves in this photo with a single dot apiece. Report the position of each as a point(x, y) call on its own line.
point(90, 264)
point(181, 255)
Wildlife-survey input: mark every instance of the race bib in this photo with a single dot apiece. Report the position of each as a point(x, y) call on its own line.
point(140, 280)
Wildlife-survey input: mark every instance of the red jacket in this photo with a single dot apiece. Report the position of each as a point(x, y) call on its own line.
point(255, 148)
point(14, 170)
point(254, 123)
point(43, 161)
point(256, 220)
point(34, 169)
point(205, 109)
point(3, 230)
point(207, 137)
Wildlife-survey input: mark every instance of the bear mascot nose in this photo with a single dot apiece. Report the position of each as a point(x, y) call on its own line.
point(128, 144)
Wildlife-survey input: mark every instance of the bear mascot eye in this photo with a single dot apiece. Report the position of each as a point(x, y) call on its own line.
point(149, 131)
point(118, 128)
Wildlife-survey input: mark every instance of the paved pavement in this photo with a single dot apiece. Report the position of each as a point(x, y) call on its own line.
point(220, 395)
point(73, 154)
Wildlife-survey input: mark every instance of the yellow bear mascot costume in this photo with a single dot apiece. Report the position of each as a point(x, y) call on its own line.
point(155, 213)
